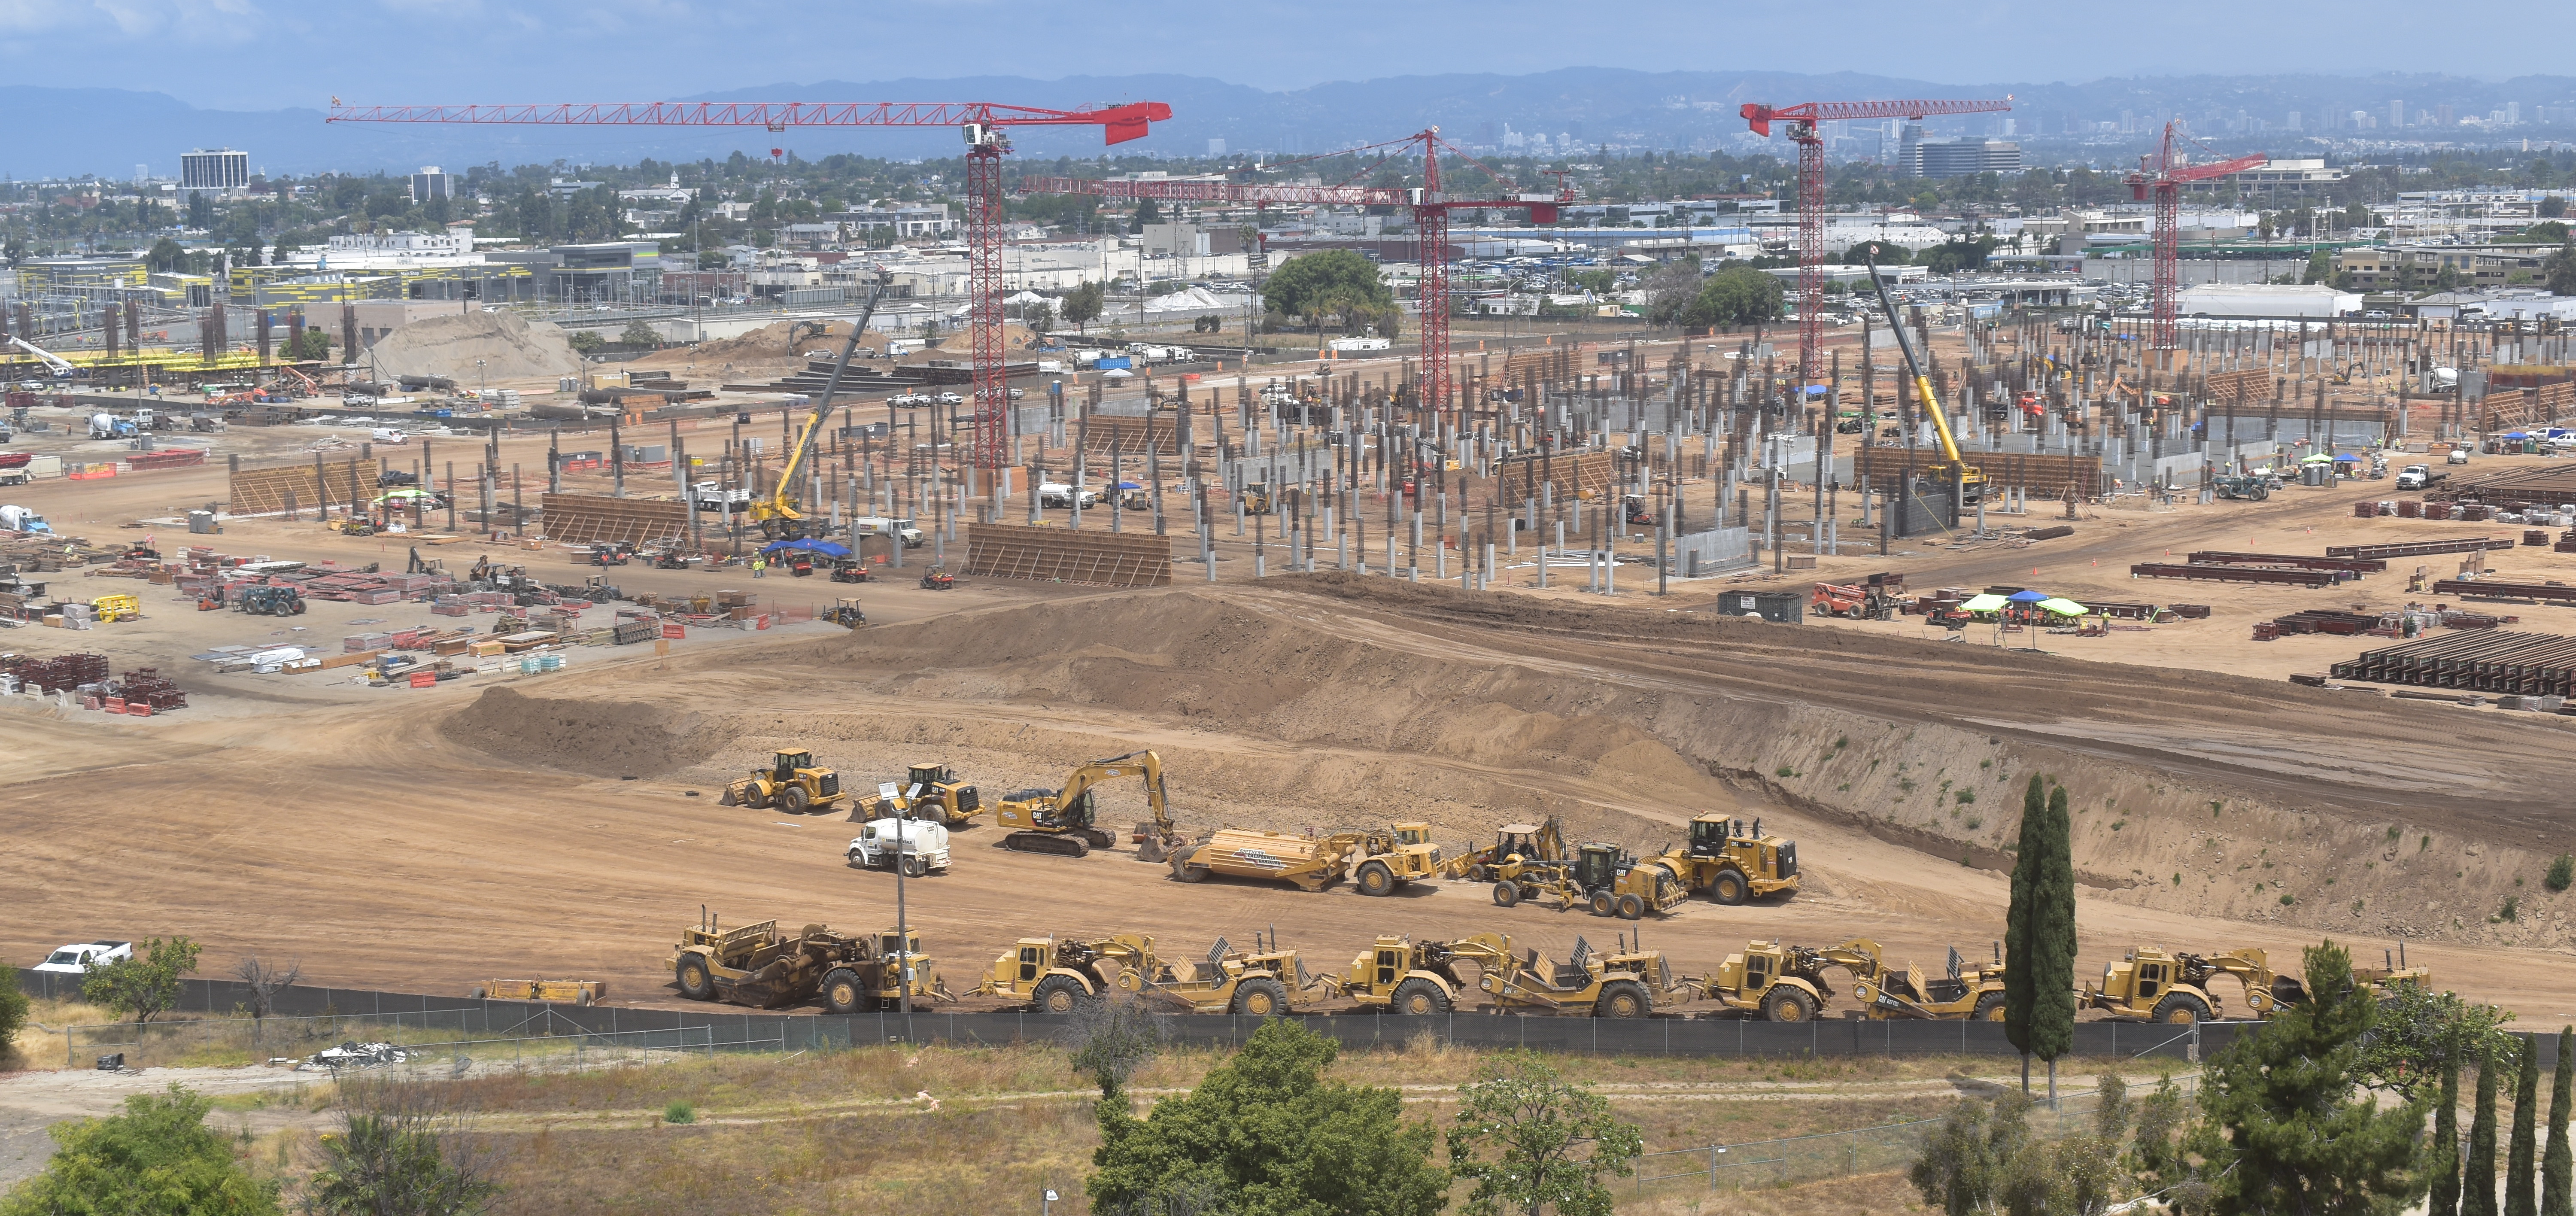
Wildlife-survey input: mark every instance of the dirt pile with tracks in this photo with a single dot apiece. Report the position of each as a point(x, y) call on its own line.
point(596, 738)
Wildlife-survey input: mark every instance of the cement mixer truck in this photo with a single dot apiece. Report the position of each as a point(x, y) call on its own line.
point(20, 519)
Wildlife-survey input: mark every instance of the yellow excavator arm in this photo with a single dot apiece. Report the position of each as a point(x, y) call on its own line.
point(1134, 764)
point(1972, 479)
point(781, 505)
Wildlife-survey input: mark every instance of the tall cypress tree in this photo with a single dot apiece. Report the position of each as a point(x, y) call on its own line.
point(2052, 940)
point(2020, 970)
point(2478, 1174)
point(2443, 1161)
point(2523, 1157)
point(2558, 1165)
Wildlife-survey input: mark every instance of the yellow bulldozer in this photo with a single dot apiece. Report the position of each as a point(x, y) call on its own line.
point(1734, 862)
point(765, 967)
point(928, 788)
point(792, 784)
point(1065, 821)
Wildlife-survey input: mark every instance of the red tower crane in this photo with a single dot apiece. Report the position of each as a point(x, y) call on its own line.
point(982, 123)
point(1802, 119)
point(1430, 205)
point(2160, 177)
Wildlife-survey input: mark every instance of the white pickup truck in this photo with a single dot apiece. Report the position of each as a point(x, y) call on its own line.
point(78, 957)
point(924, 846)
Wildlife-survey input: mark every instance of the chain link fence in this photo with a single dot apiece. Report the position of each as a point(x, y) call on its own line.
point(419, 1038)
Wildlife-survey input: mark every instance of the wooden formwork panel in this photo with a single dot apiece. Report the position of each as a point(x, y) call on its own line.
point(1113, 559)
point(2531, 406)
point(591, 519)
point(264, 491)
point(1133, 436)
point(2038, 473)
point(2240, 388)
point(1573, 474)
point(2252, 415)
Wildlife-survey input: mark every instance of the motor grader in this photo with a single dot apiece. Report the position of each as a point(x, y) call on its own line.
point(761, 966)
point(1065, 821)
point(930, 787)
point(792, 784)
point(1617, 884)
point(1734, 862)
point(2152, 985)
point(1516, 847)
point(1787, 983)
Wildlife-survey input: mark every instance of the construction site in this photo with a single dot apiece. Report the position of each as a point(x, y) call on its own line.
point(1683, 683)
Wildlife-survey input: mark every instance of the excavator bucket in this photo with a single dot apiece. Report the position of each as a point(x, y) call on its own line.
point(1150, 845)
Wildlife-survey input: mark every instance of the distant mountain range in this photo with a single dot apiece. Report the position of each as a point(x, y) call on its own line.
point(55, 132)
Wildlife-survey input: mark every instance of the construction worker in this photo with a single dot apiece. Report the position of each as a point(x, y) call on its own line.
point(759, 566)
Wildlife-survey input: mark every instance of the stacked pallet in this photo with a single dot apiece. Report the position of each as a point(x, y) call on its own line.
point(148, 687)
point(61, 671)
point(2525, 664)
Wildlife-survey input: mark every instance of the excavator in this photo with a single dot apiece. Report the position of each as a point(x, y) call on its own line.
point(1064, 821)
point(778, 516)
point(1952, 476)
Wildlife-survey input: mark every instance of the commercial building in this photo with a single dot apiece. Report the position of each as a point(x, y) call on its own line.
point(431, 182)
point(906, 221)
point(219, 169)
point(2421, 266)
point(2274, 178)
point(1948, 158)
point(2266, 300)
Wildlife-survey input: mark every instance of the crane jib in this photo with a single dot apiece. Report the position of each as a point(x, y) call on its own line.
point(822, 410)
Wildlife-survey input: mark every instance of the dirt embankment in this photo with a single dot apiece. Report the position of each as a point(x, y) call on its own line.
point(596, 738)
point(475, 347)
point(1630, 722)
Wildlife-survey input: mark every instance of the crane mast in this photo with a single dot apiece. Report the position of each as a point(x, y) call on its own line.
point(778, 516)
point(1968, 482)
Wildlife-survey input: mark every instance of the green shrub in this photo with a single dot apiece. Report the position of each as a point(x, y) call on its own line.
point(679, 1111)
point(2562, 873)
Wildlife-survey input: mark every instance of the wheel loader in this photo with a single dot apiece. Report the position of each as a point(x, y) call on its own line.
point(931, 787)
point(1734, 862)
point(1516, 846)
point(792, 784)
point(761, 966)
point(1064, 821)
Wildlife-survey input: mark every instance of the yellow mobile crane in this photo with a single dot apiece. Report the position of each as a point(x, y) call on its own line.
point(1963, 482)
point(777, 515)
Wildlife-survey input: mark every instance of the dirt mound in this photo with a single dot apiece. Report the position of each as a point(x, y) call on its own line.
point(506, 345)
point(597, 738)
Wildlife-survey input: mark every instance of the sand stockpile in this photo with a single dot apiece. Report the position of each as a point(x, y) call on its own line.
point(508, 346)
point(600, 738)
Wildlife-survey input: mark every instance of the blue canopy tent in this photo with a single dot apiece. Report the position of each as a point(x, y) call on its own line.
point(824, 547)
point(2027, 597)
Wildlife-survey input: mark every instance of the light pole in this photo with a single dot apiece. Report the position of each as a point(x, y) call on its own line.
point(1046, 1206)
point(486, 379)
point(902, 933)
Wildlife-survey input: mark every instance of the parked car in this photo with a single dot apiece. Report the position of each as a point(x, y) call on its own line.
point(78, 957)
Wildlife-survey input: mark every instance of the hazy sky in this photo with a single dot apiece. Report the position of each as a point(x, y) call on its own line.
point(261, 54)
